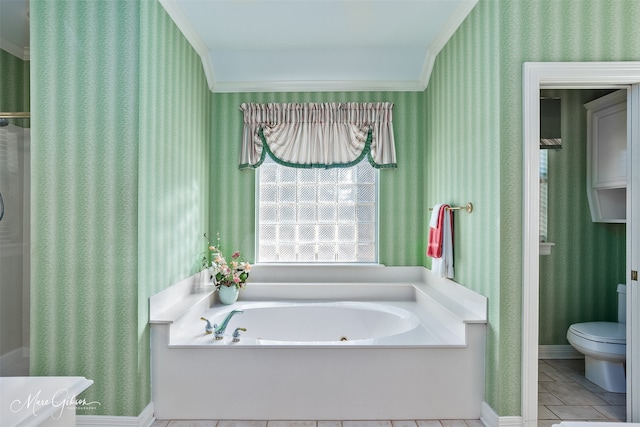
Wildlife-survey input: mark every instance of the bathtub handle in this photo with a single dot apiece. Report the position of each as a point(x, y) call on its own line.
point(208, 329)
point(236, 334)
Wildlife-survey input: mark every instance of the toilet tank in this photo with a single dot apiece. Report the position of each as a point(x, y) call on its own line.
point(622, 304)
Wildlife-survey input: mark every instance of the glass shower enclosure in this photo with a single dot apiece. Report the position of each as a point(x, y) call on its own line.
point(15, 147)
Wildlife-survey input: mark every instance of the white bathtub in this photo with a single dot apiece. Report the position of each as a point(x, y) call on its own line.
point(307, 324)
point(413, 350)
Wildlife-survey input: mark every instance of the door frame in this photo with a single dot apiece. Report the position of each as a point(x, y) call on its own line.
point(575, 75)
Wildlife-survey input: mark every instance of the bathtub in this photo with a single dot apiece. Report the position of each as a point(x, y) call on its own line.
point(373, 349)
point(305, 324)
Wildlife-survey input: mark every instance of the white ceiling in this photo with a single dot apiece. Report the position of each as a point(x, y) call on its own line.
point(298, 45)
point(311, 45)
point(14, 27)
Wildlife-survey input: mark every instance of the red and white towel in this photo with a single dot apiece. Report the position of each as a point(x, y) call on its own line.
point(441, 241)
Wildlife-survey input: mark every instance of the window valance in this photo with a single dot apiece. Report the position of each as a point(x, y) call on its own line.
point(321, 135)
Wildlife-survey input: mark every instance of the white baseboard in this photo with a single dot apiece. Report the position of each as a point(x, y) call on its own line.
point(145, 419)
point(490, 418)
point(558, 352)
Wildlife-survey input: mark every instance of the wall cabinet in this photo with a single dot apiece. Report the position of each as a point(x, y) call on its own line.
point(607, 157)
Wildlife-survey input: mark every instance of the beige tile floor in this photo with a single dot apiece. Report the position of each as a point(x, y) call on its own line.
point(564, 394)
point(404, 423)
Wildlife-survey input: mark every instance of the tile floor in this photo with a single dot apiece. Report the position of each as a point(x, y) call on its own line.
point(404, 423)
point(564, 394)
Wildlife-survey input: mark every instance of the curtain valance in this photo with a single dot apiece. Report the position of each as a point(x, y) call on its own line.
point(321, 135)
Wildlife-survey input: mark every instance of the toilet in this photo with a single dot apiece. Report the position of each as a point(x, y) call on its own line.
point(604, 345)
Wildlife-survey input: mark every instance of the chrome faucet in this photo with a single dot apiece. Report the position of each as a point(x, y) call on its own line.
point(219, 330)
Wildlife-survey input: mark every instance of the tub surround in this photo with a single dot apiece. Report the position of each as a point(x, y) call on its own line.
point(275, 282)
point(438, 377)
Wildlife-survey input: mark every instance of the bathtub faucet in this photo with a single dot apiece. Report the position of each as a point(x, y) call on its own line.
point(219, 330)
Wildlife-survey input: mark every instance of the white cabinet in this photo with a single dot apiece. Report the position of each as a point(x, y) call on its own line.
point(607, 157)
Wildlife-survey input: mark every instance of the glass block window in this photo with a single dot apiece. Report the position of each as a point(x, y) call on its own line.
point(316, 215)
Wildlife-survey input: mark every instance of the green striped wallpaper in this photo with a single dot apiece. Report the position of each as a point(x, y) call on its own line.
point(543, 30)
point(175, 140)
point(578, 282)
point(120, 193)
point(485, 57)
point(463, 162)
point(84, 67)
point(120, 142)
point(14, 86)
point(402, 225)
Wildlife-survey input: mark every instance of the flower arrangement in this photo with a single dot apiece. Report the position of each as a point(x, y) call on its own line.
point(223, 273)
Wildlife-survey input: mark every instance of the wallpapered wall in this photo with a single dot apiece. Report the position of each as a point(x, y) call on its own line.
point(578, 282)
point(463, 163)
point(402, 226)
point(175, 141)
point(459, 142)
point(84, 72)
point(497, 38)
point(115, 183)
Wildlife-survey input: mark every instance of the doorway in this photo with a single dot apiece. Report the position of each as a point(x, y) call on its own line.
point(575, 75)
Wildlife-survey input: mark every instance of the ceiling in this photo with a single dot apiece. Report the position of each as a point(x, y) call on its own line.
point(14, 27)
point(299, 45)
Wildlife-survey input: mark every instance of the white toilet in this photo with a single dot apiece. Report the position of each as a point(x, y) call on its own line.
point(604, 345)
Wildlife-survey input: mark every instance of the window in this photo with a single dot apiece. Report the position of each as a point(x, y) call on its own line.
point(316, 215)
point(544, 191)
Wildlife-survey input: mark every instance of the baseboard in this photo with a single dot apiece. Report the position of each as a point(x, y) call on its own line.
point(145, 419)
point(490, 418)
point(558, 352)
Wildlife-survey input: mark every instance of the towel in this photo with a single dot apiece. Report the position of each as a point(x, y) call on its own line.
point(443, 265)
point(434, 250)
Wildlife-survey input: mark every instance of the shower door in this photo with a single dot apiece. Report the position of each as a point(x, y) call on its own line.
point(14, 249)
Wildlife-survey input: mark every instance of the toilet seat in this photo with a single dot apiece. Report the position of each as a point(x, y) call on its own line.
point(603, 332)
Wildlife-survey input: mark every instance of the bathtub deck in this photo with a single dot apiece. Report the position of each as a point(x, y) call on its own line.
point(435, 331)
point(441, 377)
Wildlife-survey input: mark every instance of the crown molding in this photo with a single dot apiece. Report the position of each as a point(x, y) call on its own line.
point(427, 69)
point(175, 12)
point(449, 28)
point(14, 49)
point(319, 86)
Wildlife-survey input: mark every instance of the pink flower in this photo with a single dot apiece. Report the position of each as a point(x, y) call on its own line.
point(235, 255)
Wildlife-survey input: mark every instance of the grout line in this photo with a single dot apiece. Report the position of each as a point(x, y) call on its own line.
point(570, 372)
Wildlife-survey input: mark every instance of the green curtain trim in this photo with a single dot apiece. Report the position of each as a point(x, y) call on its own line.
point(366, 151)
